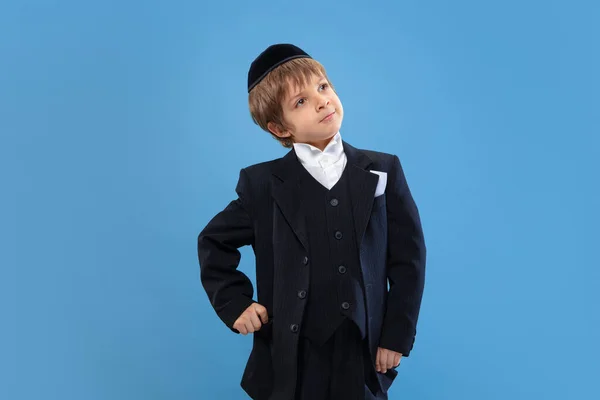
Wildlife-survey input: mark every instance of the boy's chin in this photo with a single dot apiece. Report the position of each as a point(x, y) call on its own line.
point(331, 130)
point(329, 134)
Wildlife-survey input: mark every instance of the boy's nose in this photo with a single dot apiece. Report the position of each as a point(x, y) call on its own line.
point(323, 103)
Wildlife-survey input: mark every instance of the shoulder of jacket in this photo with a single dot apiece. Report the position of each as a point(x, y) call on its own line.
point(258, 170)
point(380, 158)
point(258, 175)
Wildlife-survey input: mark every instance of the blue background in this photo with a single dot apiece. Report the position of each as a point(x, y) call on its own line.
point(123, 129)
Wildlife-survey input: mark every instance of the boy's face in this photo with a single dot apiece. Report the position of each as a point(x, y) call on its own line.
point(313, 113)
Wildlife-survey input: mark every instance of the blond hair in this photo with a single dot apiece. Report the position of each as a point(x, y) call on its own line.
point(265, 99)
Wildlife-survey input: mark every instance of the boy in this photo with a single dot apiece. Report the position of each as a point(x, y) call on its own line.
point(330, 225)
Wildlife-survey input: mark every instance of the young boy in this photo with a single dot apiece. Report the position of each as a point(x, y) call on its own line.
point(330, 226)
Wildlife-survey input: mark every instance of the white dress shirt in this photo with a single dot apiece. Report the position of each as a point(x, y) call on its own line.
point(325, 166)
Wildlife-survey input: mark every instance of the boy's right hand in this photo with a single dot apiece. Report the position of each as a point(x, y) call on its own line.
point(251, 318)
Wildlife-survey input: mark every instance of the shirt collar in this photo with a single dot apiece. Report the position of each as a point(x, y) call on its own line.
point(311, 155)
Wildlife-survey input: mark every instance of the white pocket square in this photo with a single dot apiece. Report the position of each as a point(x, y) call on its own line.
point(381, 183)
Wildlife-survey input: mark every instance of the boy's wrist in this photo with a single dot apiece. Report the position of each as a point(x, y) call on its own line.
point(232, 311)
point(397, 343)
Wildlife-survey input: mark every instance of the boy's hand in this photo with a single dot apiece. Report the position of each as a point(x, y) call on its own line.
point(386, 359)
point(250, 320)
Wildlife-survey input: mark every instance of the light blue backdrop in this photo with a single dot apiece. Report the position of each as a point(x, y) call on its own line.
point(123, 129)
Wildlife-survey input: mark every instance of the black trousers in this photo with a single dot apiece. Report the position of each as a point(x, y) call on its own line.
point(338, 370)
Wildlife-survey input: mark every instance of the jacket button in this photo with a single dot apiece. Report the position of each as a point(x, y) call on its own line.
point(338, 235)
point(345, 305)
point(334, 202)
point(302, 294)
point(342, 269)
point(294, 328)
point(305, 261)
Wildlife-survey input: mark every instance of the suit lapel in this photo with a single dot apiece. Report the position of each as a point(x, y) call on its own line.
point(287, 194)
point(362, 188)
point(287, 190)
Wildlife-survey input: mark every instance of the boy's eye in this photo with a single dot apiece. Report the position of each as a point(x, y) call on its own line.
point(322, 86)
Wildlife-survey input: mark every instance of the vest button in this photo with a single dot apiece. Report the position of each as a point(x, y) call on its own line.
point(302, 294)
point(334, 202)
point(305, 261)
point(338, 235)
point(342, 269)
point(294, 328)
point(345, 305)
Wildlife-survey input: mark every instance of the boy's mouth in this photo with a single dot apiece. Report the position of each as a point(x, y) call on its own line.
point(328, 117)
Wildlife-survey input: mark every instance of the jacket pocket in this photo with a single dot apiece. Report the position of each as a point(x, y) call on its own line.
point(266, 330)
point(388, 378)
point(378, 202)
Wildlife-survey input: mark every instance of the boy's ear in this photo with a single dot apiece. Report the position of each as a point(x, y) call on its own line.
point(277, 130)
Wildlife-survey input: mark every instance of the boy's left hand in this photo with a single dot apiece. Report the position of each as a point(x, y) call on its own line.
point(386, 359)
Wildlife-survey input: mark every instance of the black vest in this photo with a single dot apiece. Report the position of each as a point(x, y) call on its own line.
point(336, 289)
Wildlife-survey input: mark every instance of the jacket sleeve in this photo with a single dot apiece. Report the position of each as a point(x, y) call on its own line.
point(405, 265)
point(229, 290)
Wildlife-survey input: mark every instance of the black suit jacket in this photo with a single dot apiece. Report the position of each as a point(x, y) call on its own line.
point(266, 215)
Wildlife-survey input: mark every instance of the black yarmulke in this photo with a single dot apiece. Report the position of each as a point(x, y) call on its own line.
point(271, 58)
